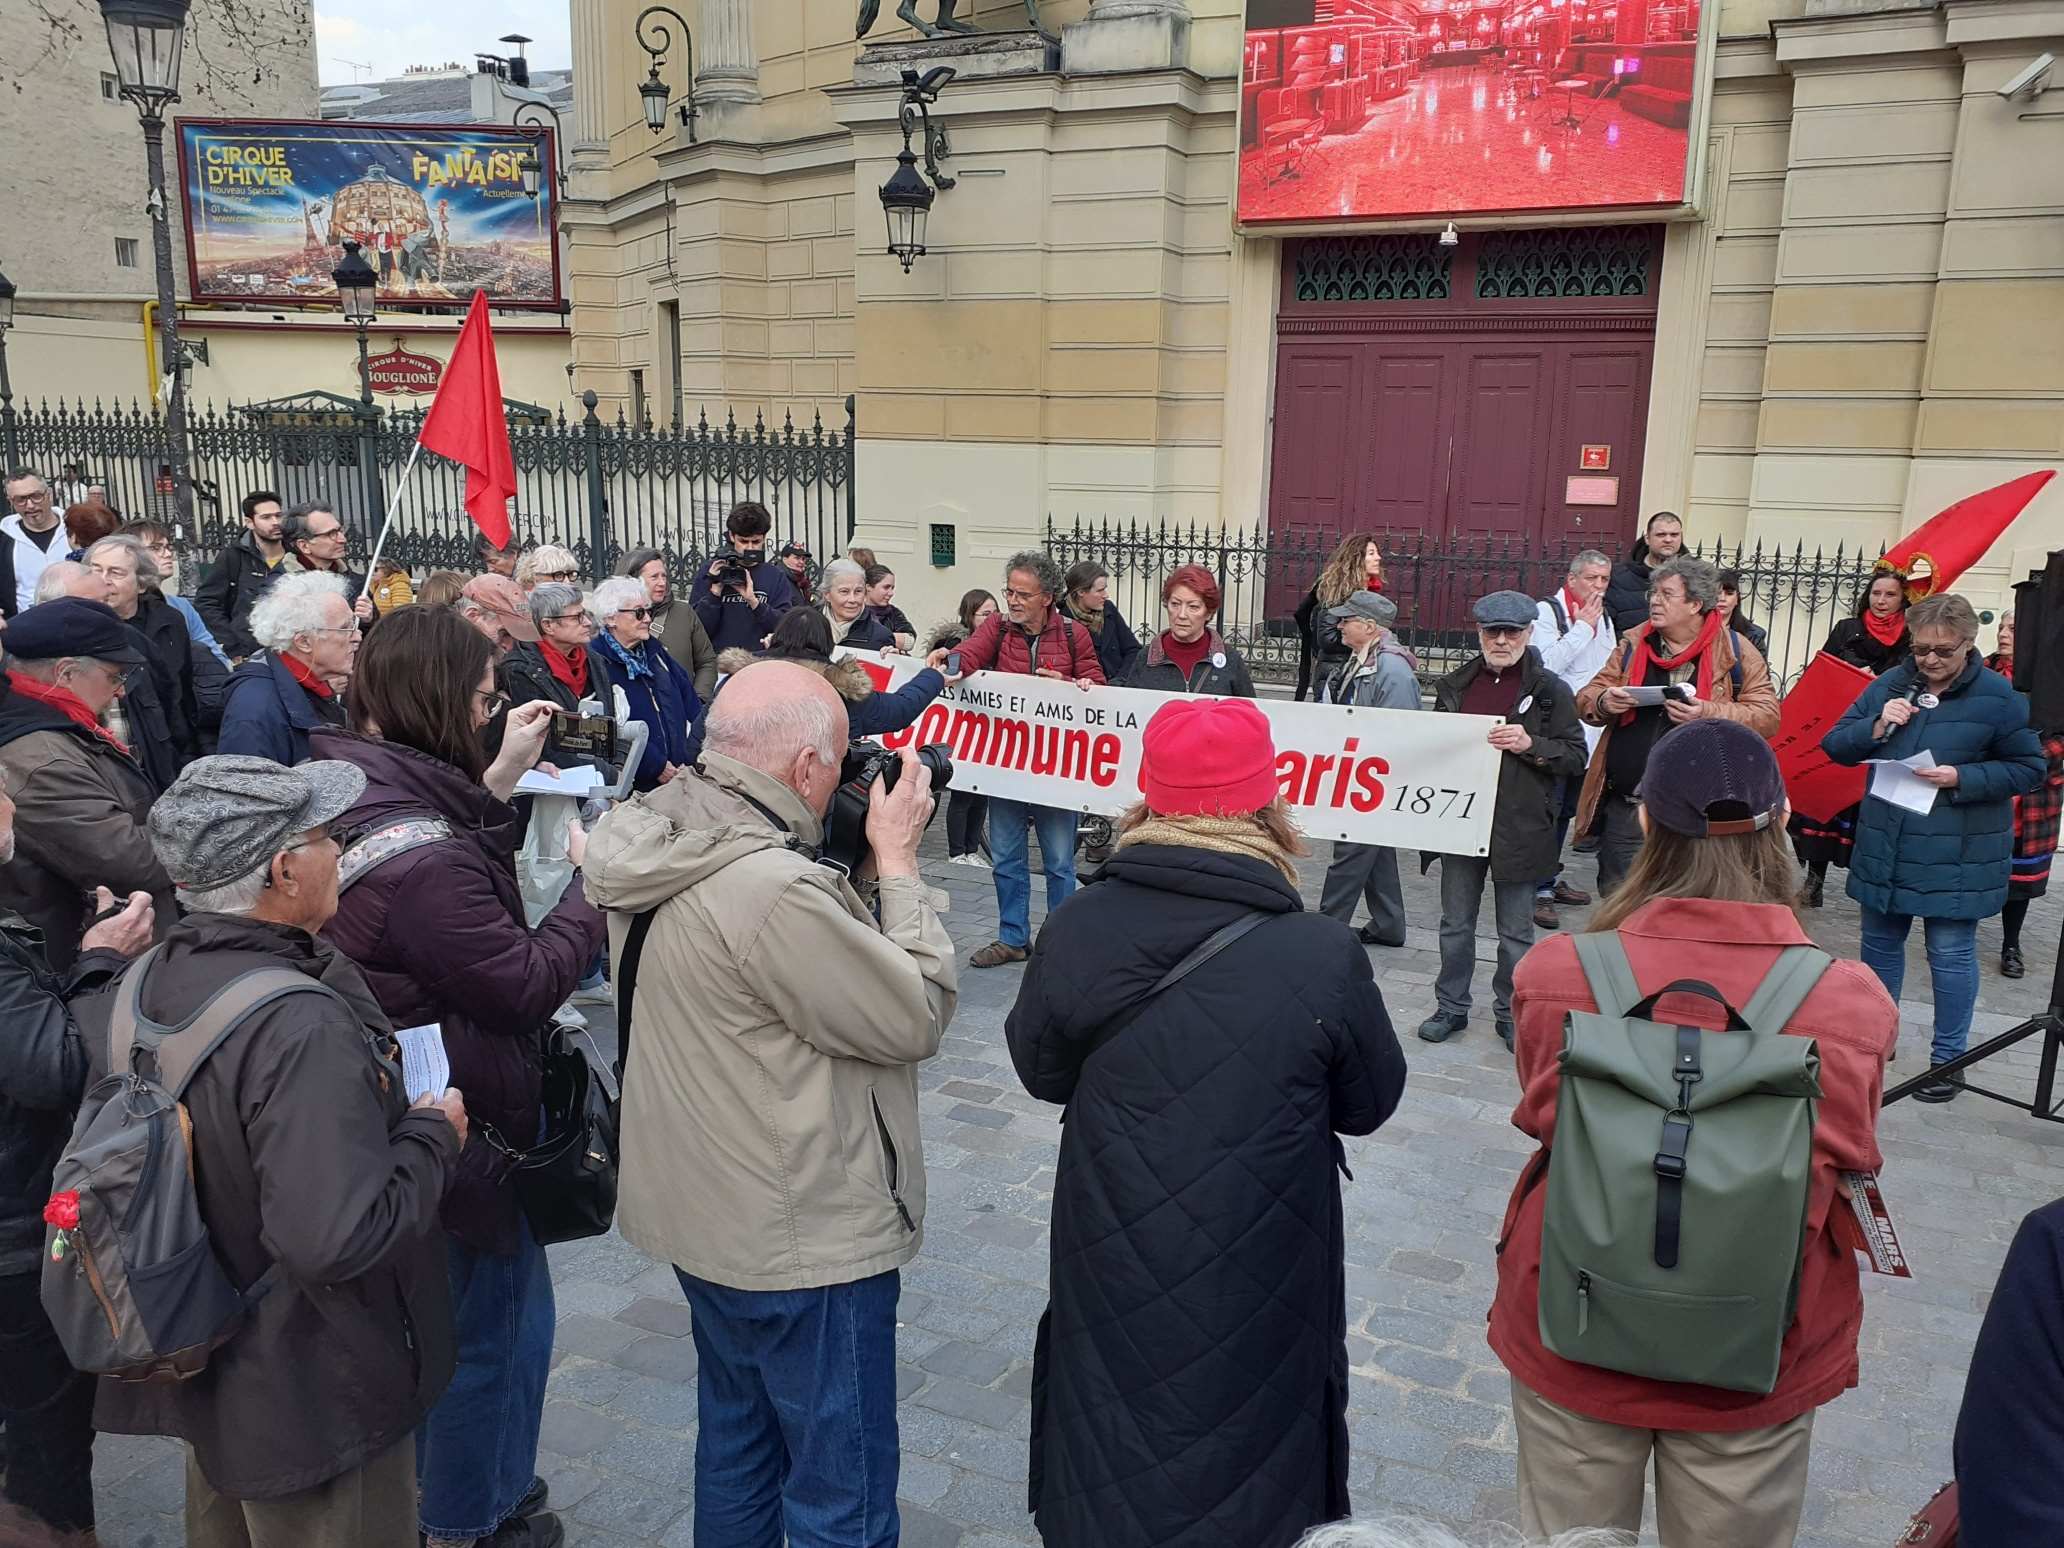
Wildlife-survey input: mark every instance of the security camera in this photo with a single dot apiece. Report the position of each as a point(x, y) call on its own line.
point(1451, 237)
point(2031, 80)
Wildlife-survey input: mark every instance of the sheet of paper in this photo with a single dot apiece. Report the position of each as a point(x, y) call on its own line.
point(1648, 697)
point(579, 780)
point(424, 1068)
point(1894, 780)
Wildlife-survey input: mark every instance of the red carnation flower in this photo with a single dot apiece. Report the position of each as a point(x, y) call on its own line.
point(62, 1211)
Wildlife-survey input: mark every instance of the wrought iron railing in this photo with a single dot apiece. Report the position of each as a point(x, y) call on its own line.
point(595, 487)
point(1795, 596)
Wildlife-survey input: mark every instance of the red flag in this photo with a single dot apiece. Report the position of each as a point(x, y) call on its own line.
point(1817, 786)
point(468, 424)
point(1952, 540)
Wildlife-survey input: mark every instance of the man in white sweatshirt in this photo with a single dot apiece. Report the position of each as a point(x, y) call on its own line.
point(31, 535)
point(1575, 637)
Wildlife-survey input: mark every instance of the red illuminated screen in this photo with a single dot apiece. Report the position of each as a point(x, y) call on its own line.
point(1386, 108)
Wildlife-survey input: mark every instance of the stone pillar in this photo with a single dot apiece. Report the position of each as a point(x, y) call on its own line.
point(590, 72)
point(1127, 35)
point(726, 68)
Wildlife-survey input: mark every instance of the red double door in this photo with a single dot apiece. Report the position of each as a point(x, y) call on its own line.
point(1515, 416)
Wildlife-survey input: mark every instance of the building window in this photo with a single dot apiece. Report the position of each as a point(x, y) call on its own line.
point(639, 413)
point(1373, 268)
point(670, 330)
point(110, 88)
point(125, 252)
point(1576, 262)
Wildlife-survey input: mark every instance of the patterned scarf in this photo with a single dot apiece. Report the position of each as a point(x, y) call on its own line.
point(1224, 835)
point(637, 666)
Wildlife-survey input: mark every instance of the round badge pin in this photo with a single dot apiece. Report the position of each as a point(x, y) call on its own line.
point(1218, 660)
point(1928, 701)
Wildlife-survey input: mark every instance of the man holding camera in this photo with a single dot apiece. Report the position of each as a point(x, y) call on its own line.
point(742, 594)
point(773, 1013)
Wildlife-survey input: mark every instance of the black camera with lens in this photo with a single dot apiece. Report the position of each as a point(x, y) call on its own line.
point(845, 825)
point(732, 573)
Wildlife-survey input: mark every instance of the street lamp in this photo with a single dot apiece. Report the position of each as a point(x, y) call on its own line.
point(10, 449)
point(356, 283)
point(532, 166)
point(653, 92)
point(146, 38)
point(906, 197)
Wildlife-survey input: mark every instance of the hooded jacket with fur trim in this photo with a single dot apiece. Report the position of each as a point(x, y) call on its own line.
point(869, 712)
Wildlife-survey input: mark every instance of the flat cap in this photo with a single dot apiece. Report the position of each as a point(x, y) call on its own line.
point(505, 602)
point(227, 815)
point(1504, 610)
point(1378, 609)
point(72, 626)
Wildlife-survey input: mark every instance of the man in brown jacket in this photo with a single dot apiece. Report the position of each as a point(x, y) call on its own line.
point(80, 796)
point(1684, 664)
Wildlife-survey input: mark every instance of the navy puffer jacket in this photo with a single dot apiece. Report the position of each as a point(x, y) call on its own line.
point(1950, 862)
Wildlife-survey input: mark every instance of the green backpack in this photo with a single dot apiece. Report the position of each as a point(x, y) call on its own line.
point(1676, 1214)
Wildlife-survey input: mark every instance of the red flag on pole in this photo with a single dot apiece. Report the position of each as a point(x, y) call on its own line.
point(468, 424)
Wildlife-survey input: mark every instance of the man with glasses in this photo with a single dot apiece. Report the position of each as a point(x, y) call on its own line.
point(33, 537)
point(1034, 637)
point(1543, 743)
point(295, 684)
point(315, 540)
point(156, 537)
point(80, 797)
point(237, 579)
point(1703, 668)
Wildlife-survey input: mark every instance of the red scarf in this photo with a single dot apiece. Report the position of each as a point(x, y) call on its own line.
point(1372, 583)
point(300, 672)
point(66, 703)
point(570, 670)
point(1645, 657)
point(1886, 631)
point(1570, 605)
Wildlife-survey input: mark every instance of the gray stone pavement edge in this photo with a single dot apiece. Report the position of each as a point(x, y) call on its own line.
point(1429, 1414)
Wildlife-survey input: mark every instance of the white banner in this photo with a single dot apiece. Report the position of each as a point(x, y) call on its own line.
point(1409, 779)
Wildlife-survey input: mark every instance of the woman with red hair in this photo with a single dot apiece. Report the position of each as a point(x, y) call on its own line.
point(1190, 656)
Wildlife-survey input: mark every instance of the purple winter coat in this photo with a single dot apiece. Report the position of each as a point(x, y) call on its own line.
point(440, 936)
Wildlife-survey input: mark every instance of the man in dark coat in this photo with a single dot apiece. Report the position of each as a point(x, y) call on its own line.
point(312, 1171)
point(234, 583)
point(277, 697)
point(739, 617)
point(1192, 1365)
point(1626, 593)
point(2010, 1432)
point(46, 1408)
point(1543, 744)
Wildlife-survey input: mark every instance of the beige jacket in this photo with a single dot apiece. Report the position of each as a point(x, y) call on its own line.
point(770, 1131)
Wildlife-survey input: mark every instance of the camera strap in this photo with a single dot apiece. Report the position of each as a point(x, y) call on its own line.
point(774, 817)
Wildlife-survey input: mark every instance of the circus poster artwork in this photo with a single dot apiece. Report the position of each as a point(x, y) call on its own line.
point(1393, 110)
point(439, 211)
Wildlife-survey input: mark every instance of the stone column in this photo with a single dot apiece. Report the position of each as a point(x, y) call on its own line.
point(1127, 35)
point(590, 72)
point(726, 68)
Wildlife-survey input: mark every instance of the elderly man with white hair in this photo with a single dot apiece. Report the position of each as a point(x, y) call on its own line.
point(309, 641)
point(781, 1011)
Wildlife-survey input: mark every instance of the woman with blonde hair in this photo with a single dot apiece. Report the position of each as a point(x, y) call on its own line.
point(1210, 1040)
point(547, 565)
point(441, 588)
point(1356, 565)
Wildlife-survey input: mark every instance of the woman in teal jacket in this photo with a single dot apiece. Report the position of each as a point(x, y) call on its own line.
point(1949, 864)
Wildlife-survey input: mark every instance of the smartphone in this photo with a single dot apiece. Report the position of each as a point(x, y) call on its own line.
point(953, 663)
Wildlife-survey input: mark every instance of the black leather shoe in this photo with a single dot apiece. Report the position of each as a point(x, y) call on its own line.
point(1936, 1092)
point(1505, 1035)
point(1369, 938)
point(2011, 965)
point(1440, 1026)
point(1815, 886)
point(533, 1499)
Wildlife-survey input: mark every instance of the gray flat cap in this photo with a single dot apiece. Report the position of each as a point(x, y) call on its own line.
point(1505, 610)
point(226, 816)
point(1366, 604)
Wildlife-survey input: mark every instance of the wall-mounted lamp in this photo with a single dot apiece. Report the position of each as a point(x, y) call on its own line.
point(653, 91)
point(532, 167)
point(907, 197)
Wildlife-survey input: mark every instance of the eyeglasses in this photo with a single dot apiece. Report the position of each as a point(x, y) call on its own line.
point(350, 628)
point(579, 618)
point(556, 575)
point(633, 612)
point(1503, 631)
point(327, 532)
point(1941, 652)
point(1016, 595)
point(490, 701)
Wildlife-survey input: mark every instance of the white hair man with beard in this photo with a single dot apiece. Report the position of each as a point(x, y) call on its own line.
point(46, 1451)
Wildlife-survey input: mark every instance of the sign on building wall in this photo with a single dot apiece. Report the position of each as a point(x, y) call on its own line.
point(1458, 109)
point(402, 372)
point(439, 211)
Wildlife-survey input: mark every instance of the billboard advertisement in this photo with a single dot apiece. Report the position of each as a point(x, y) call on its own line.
point(439, 211)
point(1424, 110)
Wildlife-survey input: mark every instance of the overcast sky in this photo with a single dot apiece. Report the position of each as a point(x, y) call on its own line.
point(390, 35)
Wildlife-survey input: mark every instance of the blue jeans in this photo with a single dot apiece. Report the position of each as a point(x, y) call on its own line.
point(795, 1395)
point(477, 1449)
point(1952, 968)
point(1013, 870)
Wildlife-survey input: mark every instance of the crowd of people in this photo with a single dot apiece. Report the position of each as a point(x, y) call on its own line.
point(314, 772)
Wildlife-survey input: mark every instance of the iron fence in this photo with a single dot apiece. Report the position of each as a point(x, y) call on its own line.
point(1795, 596)
point(594, 487)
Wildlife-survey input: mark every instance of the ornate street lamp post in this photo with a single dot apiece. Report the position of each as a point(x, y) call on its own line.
point(357, 286)
point(653, 91)
point(10, 445)
point(146, 38)
point(906, 197)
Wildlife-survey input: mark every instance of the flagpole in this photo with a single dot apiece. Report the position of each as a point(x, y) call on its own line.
point(401, 484)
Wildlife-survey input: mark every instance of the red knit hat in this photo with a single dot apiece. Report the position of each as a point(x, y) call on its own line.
point(1208, 758)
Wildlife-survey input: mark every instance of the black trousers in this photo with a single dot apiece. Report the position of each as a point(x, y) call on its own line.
point(47, 1407)
point(964, 813)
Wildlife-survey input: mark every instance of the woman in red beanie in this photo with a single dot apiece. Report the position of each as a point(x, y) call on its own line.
point(1210, 1040)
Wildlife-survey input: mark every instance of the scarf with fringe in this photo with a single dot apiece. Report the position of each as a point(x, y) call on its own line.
point(1223, 835)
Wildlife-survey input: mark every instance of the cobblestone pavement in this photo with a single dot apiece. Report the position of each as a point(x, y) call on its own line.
point(1432, 1432)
